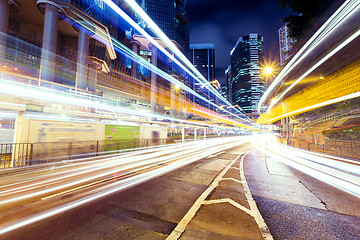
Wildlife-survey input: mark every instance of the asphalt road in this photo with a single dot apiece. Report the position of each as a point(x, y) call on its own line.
point(158, 209)
point(297, 206)
point(210, 199)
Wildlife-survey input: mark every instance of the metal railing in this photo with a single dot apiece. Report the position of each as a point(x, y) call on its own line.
point(338, 148)
point(26, 154)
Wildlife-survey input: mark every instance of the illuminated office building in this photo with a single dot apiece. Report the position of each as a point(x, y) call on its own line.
point(228, 84)
point(171, 17)
point(246, 84)
point(285, 44)
point(203, 58)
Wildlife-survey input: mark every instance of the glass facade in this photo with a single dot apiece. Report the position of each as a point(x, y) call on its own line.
point(171, 18)
point(203, 58)
point(285, 44)
point(246, 83)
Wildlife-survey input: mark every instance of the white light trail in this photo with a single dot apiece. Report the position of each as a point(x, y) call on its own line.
point(340, 173)
point(344, 12)
point(165, 39)
point(315, 66)
point(196, 150)
point(322, 104)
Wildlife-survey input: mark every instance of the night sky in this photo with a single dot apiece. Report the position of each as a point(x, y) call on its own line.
point(223, 22)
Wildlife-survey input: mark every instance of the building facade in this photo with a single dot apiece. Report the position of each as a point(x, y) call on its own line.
point(203, 58)
point(285, 44)
point(172, 19)
point(246, 83)
point(228, 84)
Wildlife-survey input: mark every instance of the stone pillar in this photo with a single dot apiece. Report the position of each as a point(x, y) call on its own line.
point(153, 100)
point(172, 102)
point(6, 6)
point(49, 41)
point(4, 13)
point(182, 134)
point(82, 59)
point(94, 68)
point(135, 47)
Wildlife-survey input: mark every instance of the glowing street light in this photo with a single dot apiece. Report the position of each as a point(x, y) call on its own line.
point(268, 70)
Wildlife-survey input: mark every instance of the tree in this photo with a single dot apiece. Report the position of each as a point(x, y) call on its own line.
point(307, 13)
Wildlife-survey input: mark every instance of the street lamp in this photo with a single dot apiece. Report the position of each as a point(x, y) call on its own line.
point(268, 70)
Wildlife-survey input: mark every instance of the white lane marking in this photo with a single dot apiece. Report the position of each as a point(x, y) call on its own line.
point(265, 232)
point(180, 228)
point(235, 168)
point(232, 202)
point(233, 179)
point(214, 155)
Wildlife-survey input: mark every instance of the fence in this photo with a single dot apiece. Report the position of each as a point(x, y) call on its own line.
point(26, 154)
point(339, 148)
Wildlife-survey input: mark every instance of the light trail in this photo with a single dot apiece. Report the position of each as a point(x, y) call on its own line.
point(322, 104)
point(161, 35)
point(163, 50)
point(43, 94)
point(340, 173)
point(315, 66)
point(344, 12)
point(139, 166)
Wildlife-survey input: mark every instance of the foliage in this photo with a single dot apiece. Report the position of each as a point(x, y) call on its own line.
point(352, 134)
point(307, 13)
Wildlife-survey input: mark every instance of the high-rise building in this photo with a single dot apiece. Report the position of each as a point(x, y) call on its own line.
point(203, 58)
point(172, 19)
point(228, 84)
point(285, 43)
point(246, 83)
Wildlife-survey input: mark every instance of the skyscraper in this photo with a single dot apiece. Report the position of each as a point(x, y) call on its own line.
point(247, 86)
point(228, 84)
point(203, 58)
point(285, 43)
point(171, 17)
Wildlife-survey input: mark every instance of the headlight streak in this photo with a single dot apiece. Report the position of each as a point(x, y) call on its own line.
point(44, 94)
point(160, 34)
point(98, 164)
point(144, 33)
point(336, 100)
point(133, 162)
point(338, 48)
point(7, 87)
point(345, 11)
point(116, 186)
point(343, 175)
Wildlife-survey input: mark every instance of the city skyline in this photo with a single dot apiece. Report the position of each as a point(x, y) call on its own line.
point(224, 23)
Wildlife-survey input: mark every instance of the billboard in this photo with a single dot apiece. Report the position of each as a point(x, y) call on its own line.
point(121, 137)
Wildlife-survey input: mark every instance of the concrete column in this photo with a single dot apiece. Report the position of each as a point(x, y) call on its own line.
point(92, 79)
point(135, 47)
point(172, 101)
point(182, 134)
point(4, 21)
point(82, 59)
point(48, 52)
point(204, 133)
point(153, 101)
point(195, 133)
